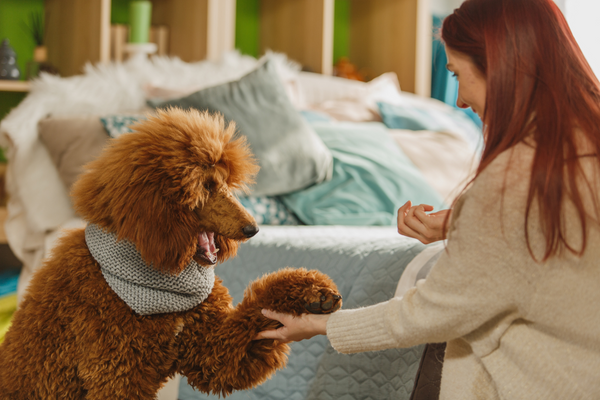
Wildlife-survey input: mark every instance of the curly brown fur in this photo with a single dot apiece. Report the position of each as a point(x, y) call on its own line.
point(74, 338)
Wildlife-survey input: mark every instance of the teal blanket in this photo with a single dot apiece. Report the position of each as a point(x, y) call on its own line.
point(372, 178)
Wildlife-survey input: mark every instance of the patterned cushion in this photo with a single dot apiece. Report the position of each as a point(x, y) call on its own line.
point(269, 210)
point(116, 125)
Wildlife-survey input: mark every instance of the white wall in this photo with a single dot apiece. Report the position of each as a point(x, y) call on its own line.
point(582, 16)
point(444, 7)
point(561, 4)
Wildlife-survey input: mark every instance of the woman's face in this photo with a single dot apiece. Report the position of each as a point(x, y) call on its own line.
point(471, 82)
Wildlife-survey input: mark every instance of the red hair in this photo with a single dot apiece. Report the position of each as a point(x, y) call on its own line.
point(539, 85)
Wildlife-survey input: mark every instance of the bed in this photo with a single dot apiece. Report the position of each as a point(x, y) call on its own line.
point(357, 152)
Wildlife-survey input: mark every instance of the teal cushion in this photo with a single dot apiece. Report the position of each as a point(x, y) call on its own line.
point(372, 178)
point(290, 154)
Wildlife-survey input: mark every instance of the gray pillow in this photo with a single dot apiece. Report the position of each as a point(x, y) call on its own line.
point(290, 153)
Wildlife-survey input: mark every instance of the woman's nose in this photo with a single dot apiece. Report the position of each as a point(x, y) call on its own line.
point(461, 104)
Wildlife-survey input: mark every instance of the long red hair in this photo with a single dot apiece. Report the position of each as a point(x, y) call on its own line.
point(540, 84)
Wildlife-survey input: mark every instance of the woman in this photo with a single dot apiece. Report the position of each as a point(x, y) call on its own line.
point(516, 296)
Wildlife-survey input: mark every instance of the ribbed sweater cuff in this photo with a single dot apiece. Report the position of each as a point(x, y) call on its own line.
point(362, 329)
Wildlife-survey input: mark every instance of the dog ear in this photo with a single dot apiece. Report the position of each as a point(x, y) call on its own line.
point(164, 234)
point(131, 201)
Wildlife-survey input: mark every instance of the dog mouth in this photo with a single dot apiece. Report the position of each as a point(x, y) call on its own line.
point(207, 249)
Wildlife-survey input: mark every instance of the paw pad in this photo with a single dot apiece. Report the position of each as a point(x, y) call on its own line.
point(324, 303)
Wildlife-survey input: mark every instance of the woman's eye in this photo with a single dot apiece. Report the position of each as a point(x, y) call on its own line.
point(454, 74)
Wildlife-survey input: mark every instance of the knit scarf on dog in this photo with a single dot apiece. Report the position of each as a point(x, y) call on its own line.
point(144, 289)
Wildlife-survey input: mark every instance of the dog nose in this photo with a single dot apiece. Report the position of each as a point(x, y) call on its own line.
point(250, 230)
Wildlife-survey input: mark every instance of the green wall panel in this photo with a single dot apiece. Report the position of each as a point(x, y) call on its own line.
point(247, 27)
point(15, 19)
point(341, 30)
point(119, 11)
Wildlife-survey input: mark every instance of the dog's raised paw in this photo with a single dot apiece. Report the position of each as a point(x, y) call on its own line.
point(297, 291)
point(323, 302)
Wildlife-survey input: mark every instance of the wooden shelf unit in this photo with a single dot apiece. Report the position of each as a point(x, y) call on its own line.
point(78, 31)
point(198, 29)
point(393, 35)
point(302, 29)
point(385, 35)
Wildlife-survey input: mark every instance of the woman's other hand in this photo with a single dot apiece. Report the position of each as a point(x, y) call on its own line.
point(414, 222)
point(294, 329)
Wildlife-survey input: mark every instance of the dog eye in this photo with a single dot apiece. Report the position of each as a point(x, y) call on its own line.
point(208, 186)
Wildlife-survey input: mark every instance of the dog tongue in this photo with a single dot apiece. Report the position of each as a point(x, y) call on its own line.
point(206, 241)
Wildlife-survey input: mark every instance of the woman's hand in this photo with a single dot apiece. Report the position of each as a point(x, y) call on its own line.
point(294, 329)
point(415, 223)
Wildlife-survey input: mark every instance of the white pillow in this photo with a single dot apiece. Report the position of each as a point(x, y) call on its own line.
point(316, 88)
point(348, 100)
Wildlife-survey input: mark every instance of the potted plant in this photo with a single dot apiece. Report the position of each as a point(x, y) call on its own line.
point(40, 53)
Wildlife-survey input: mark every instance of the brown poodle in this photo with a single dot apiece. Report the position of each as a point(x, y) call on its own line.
point(164, 191)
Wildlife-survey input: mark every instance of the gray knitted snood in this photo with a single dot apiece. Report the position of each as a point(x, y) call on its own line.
point(143, 288)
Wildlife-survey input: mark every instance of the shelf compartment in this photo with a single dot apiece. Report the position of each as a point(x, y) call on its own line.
point(393, 35)
point(198, 29)
point(77, 32)
point(302, 29)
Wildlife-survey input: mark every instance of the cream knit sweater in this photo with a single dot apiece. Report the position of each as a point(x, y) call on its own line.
point(516, 329)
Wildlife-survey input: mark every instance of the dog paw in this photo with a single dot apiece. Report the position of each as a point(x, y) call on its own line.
point(296, 291)
point(322, 302)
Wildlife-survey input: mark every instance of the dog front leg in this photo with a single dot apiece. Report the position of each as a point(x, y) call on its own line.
point(217, 352)
point(226, 358)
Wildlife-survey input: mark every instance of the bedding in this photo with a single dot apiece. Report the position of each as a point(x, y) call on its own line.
point(372, 178)
point(426, 114)
point(73, 142)
point(116, 125)
point(445, 158)
point(366, 264)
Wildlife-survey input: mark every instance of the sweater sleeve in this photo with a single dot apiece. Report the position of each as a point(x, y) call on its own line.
point(482, 283)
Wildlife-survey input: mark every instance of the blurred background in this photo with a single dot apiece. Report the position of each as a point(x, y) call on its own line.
point(65, 34)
